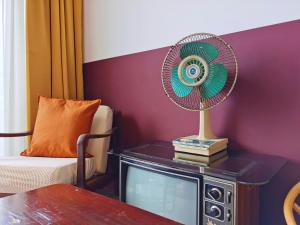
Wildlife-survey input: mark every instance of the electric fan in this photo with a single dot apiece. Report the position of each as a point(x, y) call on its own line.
point(198, 73)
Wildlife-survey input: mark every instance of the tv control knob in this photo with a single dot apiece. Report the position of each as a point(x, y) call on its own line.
point(215, 211)
point(215, 193)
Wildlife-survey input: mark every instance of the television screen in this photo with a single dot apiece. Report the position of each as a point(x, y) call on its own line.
point(163, 193)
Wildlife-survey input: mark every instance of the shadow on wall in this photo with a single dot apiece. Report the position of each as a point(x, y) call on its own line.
point(131, 131)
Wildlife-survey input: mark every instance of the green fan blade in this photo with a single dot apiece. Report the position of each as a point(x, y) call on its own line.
point(202, 49)
point(215, 81)
point(180, 89)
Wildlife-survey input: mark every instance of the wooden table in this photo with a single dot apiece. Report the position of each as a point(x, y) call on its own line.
point(66, 204)
point(4, 194)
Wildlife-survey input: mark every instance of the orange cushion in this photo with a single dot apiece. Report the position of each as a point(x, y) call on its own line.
point(58, 124)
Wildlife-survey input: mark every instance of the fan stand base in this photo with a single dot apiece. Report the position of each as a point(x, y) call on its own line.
point(206, 143)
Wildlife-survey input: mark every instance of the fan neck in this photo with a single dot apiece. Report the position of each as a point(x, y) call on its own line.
point(205, 130)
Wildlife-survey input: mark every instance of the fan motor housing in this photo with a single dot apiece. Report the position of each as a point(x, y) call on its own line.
point(196, 67)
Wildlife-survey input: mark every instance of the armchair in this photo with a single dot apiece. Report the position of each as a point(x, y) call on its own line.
point(23, 173)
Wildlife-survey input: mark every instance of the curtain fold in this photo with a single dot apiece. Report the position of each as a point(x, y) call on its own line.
point(54, 51)
point(12, 75)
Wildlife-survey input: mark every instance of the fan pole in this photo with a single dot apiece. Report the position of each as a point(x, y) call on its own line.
point(205, 131)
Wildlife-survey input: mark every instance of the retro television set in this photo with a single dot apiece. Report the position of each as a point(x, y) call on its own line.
point(226, 193)
point(171, 194)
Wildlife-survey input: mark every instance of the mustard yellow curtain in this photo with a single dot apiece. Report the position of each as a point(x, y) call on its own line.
point(53, 51)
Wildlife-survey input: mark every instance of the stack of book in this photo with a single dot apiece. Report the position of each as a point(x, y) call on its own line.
point(199, 147)
point(195, 150)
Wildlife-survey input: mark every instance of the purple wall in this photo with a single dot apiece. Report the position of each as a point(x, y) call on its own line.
point(262, 114)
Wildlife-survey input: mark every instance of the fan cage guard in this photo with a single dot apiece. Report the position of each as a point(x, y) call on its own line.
point(194, 101)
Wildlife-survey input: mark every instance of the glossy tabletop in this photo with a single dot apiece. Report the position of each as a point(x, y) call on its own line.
point(238, 166)
point(66, 204)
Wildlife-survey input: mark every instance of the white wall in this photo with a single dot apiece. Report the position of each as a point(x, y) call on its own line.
point(120, 27)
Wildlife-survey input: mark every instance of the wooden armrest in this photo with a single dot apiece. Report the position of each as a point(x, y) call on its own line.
point(85, 137)
point(20, 134)
point(81, 147)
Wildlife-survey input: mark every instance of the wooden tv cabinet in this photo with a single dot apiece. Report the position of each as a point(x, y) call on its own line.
point(241, 180)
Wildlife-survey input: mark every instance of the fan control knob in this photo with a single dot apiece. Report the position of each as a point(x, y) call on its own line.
point(215, 193)
point(215, 211)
